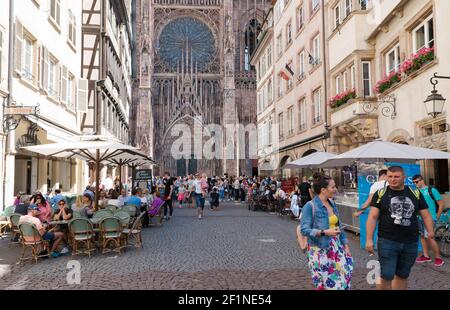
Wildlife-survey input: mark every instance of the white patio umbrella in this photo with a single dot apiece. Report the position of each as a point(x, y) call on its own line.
point(380, 151)
point(311, 161)
point(95, 149)
point(131, 159)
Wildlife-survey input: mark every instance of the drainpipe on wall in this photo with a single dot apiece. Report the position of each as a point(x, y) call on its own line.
point(325, 81)
point(11, 57)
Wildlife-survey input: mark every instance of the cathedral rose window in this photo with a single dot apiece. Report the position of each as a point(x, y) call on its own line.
point(186, 33)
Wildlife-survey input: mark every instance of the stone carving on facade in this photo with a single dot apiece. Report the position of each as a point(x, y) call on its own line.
point(436, 142)
point(229, 37)
point(356, 132)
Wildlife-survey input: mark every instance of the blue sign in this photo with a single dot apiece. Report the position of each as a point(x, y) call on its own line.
point(367, 175)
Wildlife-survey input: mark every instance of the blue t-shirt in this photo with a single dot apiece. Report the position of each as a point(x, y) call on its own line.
point(133, 200)
point(431, 204)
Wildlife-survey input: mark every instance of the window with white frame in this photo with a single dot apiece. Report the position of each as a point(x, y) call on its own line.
point(55, 11)
point(353, 77)
point(345, 80)
point(269, 56)
point(279, 45)
point(348, 7)
point(302, 114)
point(72, 28)
point(280, 125)
point(280, 87)
point(289, 34)
point(270, 90)
point(366, 78)
point(270, 131)
point(290, 115)
point(423, 35)
point(300, 17)
point(27, 58)
point(301, 64)
point(316, 50)
point(71, 91)
point(263, 65)
point(314, 5)
point(393, 59)
point(364, 4)
point(337, 16)
point(317, 106)
point(52, 77)
point(338, 84)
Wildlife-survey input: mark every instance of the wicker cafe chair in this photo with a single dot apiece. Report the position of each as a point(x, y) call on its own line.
point(82, 235)
point(36, 243)
point(102, 214)
point(132, 210)
point(110, 234)
point(134, 233)
point(14, 225)
point(9, 211)
point(76, 215)
point(124, 217)
point(5, 221)
point(111, 208)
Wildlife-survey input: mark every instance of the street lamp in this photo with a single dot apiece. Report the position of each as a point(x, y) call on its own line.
point(434, 104)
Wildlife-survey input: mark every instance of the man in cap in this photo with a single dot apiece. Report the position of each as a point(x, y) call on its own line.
point(31, 218)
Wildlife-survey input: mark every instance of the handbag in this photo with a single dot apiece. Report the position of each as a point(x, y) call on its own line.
point(303, 240)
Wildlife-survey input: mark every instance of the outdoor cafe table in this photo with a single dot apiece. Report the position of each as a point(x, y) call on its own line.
point(54, 223)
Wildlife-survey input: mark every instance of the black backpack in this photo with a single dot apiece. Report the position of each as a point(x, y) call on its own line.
point(430, 192)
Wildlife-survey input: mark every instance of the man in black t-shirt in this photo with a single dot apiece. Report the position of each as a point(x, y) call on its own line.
point(168, 191)
point(396, 207)
point(306, 193)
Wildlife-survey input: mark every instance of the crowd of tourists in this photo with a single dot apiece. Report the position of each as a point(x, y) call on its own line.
point(401, 212)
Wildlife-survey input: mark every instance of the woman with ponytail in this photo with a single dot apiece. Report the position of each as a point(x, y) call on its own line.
point(329, 258)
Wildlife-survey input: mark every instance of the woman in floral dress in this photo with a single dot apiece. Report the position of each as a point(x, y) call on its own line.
point(329, 257)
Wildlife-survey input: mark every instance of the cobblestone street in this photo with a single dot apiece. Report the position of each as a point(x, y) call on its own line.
point(229, 249)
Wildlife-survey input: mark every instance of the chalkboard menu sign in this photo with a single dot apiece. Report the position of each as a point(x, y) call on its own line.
point(142, 175)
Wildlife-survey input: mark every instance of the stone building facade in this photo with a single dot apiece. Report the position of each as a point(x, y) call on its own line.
point(193, 79)
point(402, 40)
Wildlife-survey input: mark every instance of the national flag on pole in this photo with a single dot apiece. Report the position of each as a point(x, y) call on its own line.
point(287, 73)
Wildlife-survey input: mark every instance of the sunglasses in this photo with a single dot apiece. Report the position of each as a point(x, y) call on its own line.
point(415, 182)
point(61, 203)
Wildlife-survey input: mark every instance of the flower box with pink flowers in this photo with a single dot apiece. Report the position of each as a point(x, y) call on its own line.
point(342, 98)
point(408, 67)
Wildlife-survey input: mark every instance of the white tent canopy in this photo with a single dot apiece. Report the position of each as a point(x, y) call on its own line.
point(311, 161)
point(380, 151)
point(90, 149)
point(96, 149)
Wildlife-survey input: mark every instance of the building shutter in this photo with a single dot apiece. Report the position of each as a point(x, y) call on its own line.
point(18, 47)
point(63, 88)
point(40, 77)
point(82, 96)
point(45, 71)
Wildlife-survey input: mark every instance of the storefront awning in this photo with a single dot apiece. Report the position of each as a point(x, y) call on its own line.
point(54, 133)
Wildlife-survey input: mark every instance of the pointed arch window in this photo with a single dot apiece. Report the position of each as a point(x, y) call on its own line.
point(251, 35)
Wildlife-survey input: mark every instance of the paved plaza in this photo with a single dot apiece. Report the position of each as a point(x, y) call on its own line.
point(229, 249)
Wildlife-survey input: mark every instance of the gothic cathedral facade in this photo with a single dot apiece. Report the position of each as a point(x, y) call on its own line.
point(192, 76)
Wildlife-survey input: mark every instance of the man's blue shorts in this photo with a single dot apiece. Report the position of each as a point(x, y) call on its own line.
point(396, 258)
point(48, 236)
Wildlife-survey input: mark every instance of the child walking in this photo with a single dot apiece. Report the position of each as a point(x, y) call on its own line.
point(181, 193)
